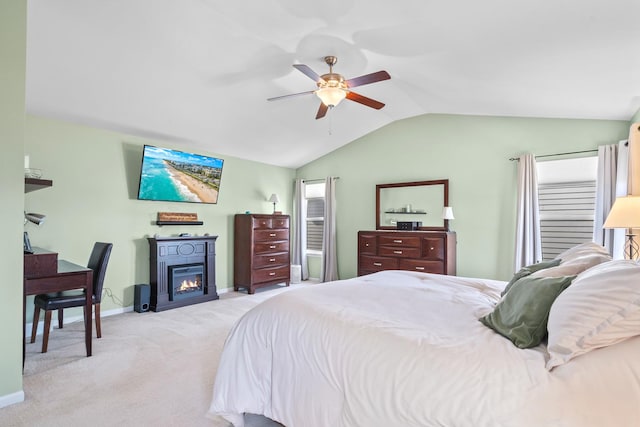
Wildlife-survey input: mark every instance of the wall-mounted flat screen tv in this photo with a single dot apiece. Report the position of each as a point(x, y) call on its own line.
point(176, 176)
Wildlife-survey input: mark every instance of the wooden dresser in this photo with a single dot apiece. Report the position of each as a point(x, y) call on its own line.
point(261, 251)
point(424, 251)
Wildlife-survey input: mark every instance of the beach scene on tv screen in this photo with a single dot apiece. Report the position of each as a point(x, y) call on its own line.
point(177, 176)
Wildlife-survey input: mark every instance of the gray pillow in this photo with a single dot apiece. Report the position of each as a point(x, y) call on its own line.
point(525, 271)
point(523, 313)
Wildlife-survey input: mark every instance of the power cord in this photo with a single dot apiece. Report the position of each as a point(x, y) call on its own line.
point(109, 293)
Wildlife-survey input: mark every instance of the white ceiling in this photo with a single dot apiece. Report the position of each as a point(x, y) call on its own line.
point(199, 71)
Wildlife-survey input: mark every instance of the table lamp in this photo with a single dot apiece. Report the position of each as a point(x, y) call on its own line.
point(625, 213)
point(35, 218)
point(447, 214)
point(274, 199)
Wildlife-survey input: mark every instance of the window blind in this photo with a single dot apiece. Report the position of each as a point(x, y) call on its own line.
point(315, 223)
point(566, 215)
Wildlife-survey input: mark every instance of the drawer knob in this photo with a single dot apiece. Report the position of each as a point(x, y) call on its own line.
point(272, 246)
point(431, 249)
point(419, 268)
point(272, 274)
point(272, 234)
point(377, 264)
point(272, 260)
point(397, 241)
point(366, 244)
point(397, 252)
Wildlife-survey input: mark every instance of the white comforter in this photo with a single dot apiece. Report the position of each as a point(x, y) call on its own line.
point(401, 348)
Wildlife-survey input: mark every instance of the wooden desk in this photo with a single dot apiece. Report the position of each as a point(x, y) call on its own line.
point(68, 276)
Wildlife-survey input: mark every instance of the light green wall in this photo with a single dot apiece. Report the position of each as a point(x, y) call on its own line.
point(12, 106)
point(473, 153)
point(95, 181)
point(636, 117)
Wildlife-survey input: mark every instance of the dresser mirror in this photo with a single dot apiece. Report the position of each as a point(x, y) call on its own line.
point(417, 201)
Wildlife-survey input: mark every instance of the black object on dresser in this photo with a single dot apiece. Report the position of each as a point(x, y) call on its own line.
point(424, 251)
point(261, 251)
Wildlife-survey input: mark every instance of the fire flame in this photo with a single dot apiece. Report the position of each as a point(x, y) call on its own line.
point(188, 285)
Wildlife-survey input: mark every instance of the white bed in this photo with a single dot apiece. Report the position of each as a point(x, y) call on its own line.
point(399, 348)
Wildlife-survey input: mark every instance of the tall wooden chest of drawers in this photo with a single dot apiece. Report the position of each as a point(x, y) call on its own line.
point(261, 251)
point(424, 251)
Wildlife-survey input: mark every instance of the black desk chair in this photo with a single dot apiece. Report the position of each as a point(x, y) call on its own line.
point(61, 300)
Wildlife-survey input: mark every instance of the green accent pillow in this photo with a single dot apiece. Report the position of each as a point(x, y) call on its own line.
point(529, 269)
point(544, 264)
point(522, 314)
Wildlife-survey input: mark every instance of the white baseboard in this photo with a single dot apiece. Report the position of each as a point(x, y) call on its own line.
point(10, 399)
point(28, 326)
point(67, 320)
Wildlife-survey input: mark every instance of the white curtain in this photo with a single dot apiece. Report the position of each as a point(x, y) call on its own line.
point(299, 238)
point(329, 268)
point(605, 193)
point(528, 241)
point(622, 189)
point(633, 188)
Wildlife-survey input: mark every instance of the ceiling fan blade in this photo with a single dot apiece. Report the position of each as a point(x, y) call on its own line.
point(322, 111)
point(275, 98)
point(364, 100)
point(304, 69)
point(368, 78)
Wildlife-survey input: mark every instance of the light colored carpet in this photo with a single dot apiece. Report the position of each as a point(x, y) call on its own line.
point(147, 369)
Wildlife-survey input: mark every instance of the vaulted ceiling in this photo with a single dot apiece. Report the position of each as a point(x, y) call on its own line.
point(199, 72)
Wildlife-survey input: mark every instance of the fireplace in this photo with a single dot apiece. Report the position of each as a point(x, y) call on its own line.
point(174, 260)
point(186, 281)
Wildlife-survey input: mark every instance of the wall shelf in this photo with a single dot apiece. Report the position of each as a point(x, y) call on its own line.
point(406, 213)
point(161, 223)
point(33, 184)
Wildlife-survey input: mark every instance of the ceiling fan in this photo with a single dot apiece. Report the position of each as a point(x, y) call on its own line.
point(333, 88)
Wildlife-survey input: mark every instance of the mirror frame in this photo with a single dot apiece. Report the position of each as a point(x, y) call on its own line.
point(443, 182)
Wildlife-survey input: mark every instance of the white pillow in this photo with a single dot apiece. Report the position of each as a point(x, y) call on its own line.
point(600, 308)
point(582, 249)
point(577, 263)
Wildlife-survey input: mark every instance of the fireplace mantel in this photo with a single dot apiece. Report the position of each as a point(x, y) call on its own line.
point(169, 251)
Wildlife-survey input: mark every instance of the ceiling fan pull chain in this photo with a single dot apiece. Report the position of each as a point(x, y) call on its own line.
point(331, 123)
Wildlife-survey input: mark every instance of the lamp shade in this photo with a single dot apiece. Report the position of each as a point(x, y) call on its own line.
point(625, 213)
point(274, 198)
point(447, 213)
point(331, 96)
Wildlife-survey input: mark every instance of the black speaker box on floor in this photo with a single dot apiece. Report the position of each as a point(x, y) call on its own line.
point(141, 298)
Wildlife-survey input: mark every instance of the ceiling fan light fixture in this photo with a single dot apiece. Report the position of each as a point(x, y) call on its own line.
point(331, 96)
point(333, 88)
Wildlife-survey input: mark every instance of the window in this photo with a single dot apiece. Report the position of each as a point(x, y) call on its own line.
point(314, 193)
point(567, 195)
